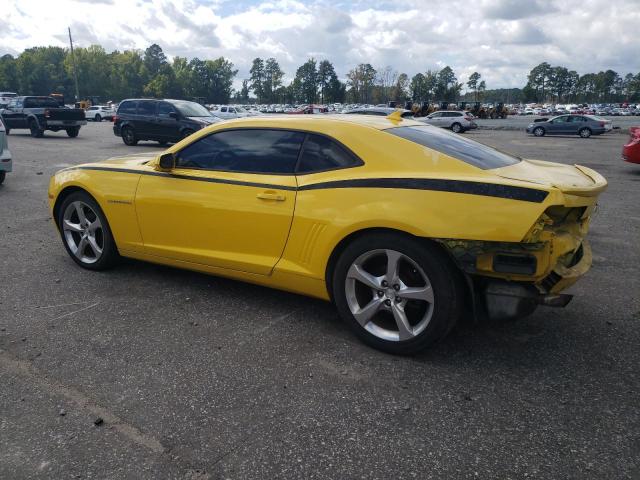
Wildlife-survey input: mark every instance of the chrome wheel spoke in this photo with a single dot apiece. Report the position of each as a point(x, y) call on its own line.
point(417, 293)
point(363, 316)
point(94, 226)
point(97, 251)
point(82, 245)
point(360, 274)
point(80, 211)
point(70, 226)
point(393, 265)
point(405, 331)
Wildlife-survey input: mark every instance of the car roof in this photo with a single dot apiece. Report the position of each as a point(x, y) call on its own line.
point(377, 122)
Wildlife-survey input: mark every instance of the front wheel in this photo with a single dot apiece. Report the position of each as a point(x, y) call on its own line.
point(85, 232)
point(538, 132)
point(584, 133)
point(396, 293)
point(129, 136)
point(456, 128)
point(97, 118)
point(73, 131)
point(35, 130)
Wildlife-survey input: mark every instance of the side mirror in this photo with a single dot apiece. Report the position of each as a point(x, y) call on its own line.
point(173, 115)
point(167, 162)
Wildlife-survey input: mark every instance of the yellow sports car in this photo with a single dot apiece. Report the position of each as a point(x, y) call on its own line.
point(402, 225)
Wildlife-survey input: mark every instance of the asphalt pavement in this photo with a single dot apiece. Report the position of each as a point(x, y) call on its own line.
point(147, 372)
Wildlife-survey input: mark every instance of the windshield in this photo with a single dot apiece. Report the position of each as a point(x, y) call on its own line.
point(191, 109)
point(473, 153)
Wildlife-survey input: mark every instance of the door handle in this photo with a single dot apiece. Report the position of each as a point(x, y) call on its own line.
point(270, 195)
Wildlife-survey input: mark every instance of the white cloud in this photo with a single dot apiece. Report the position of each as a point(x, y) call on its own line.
point(501, 39)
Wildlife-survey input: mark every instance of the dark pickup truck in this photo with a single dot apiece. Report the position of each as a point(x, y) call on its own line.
point(42, 113)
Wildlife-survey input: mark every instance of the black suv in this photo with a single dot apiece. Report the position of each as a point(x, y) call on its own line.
point(161, 120)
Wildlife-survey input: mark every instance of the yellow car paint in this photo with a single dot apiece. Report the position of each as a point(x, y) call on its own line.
point(281, 230)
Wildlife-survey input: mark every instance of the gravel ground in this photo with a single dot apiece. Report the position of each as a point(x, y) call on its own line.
point(146, 372)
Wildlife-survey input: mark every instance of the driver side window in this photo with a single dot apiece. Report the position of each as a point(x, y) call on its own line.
point(244, 150)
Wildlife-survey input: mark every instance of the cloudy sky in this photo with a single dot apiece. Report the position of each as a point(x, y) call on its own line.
point(501, 39)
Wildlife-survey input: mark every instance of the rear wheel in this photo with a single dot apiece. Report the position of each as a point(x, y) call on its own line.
point(129, 136)
point(584, 132)
point(97, 118)
point(456, 128)
point(73, 131)
point(85, 232)
point(538, 132)
point(397, 294)
point(3, 175)
point(34, 128)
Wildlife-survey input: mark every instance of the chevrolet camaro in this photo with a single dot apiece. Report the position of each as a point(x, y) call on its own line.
point(404, 226)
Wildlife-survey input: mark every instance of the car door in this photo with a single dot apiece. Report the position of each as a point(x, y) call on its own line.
point(14, 116)
point(228, 203)
point(558, 126)
point(434, 119)
point(167, 124)
point(146, 119)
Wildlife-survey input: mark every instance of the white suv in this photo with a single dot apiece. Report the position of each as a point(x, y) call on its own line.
point(97, 113)
point(457, 122)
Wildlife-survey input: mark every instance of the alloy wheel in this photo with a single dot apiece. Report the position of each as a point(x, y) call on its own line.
point(389, 295)
point(83, 232)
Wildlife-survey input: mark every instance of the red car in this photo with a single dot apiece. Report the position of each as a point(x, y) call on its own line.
point(631, 151)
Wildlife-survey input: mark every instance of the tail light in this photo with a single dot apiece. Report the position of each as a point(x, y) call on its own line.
point(468, 119)
point(47, 113)
point(602, 124)
point(114, 119)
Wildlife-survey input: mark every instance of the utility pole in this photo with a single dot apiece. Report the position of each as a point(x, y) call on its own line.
point(73, 61)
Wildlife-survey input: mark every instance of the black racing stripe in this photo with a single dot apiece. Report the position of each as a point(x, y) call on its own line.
point(454, 186)
point(189, 177)
point(440, 185)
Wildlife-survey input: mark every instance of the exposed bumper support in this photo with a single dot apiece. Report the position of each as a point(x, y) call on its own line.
point(506, 300)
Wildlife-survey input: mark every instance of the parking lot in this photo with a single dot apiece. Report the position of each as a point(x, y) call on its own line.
point(197, 377)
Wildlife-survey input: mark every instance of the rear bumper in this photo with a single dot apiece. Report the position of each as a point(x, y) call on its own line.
point(64, 123)
point(510, 300)
point(116, 130)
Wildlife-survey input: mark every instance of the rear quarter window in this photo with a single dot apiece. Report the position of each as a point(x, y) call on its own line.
point(454, 145)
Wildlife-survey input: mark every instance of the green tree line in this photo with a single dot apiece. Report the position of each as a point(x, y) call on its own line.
point(133, 73)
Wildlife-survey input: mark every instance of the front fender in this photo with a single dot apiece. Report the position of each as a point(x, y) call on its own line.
point(115, 194)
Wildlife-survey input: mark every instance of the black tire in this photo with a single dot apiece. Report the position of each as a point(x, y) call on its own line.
point(7, 131)
point(456, 128)
point(539, 132)
point(97, 118)
point(129, 136)
point(186, 132)
point(584, 132)
point(36, 131)
point(73, 131)
point(110, 255)
point(3, 175)
point(443, 278)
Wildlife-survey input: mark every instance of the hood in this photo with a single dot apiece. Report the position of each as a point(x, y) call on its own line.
point(131, 160)
point(205, 120)
point(571, 179)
